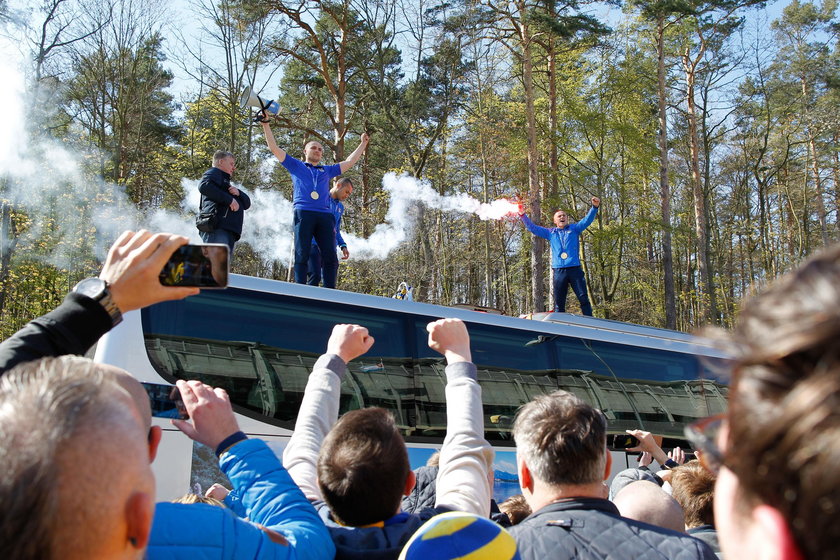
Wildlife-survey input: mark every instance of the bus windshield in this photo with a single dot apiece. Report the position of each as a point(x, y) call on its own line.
point(260, 347)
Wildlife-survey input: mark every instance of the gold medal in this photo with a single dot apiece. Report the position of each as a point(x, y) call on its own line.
point(314, 195)
point(564, 255)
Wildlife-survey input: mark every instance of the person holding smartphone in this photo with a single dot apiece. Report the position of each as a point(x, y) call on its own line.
point(130, 279)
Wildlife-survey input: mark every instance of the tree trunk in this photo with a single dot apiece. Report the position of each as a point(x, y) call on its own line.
point(8, 242)
point(537, 248)
point(707, 290)
point(836, 174)
point(818, 186)
point(664, 187)
point(552, 120)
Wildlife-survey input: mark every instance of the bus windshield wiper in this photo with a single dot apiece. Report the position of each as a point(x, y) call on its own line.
point(542, 338)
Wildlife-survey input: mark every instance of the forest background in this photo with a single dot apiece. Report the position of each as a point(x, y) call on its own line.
point(708, 129)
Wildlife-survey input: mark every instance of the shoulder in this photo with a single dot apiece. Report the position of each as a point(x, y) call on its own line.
point(177, 527)
point(604, 534)
point(251, 454)
point(292, 163)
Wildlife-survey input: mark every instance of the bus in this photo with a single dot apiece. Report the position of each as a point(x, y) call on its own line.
point(258, 339)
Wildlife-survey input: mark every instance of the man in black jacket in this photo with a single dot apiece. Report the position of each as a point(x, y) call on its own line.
point(226, 201)
point(562, 460)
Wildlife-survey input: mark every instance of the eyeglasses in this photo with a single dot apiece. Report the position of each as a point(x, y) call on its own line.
point(703, 436)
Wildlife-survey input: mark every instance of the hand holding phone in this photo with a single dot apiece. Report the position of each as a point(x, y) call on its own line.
point(165, 401)
point(202, 266)
point(133, 266)
point(624, 441)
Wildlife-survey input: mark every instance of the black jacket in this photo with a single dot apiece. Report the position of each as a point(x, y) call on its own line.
point(592, 529)
point(213, 187)
point(71, 328)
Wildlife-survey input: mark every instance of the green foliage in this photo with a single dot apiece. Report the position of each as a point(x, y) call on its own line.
point(443, 96)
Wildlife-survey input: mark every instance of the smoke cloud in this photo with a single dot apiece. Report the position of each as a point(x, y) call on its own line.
point(404, 192)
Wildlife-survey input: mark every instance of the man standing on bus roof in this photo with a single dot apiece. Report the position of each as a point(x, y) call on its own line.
point(565, 255)
point(340, 192)
point(225, 200)
point(313, 217)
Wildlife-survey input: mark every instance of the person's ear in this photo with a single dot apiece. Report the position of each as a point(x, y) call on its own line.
point(609, 465)
point(410, 483)
point(774, 535)
point(526, 481)
point(139, 511)
point(155, 435)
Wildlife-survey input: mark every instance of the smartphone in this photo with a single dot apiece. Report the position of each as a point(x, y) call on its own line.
point(165, 400)
point(202, 266)
point(624, 441)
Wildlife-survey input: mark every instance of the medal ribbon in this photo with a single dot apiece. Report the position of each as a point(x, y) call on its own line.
point(564, 238)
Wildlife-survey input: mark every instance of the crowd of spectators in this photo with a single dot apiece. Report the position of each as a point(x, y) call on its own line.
point(77, 441)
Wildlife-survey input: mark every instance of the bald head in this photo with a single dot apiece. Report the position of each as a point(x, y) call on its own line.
point(646, 501)
point(77, 481)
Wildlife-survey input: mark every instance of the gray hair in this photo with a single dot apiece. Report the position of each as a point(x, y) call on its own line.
point(562, 439)
point(220, 155)
point(52, 412)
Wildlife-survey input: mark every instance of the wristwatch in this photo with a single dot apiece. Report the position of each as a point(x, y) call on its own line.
point(97, 290)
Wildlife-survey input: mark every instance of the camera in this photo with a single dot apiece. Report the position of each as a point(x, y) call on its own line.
point(200, 266)
point(624, 441)
point(165, 401)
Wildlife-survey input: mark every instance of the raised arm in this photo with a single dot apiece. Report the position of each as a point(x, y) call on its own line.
point(466, 459)
point(279, 153)
point(539, 231)
point(319, 408)
point(284, 525)
point(357, 153)
point(590, 216)
point(131, 271)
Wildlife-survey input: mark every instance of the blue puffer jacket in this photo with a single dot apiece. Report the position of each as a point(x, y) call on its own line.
point(424, 493)
point(270, 498)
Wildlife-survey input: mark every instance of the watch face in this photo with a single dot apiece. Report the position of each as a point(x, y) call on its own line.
point(91, 287)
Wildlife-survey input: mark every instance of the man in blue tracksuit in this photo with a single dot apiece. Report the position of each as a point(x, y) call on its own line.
point(338, 194)
point(565, 258)
point(313, 217)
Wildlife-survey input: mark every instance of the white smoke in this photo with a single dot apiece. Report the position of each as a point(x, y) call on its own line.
point(41, 177)
point(268, 226)
point(404, 192)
